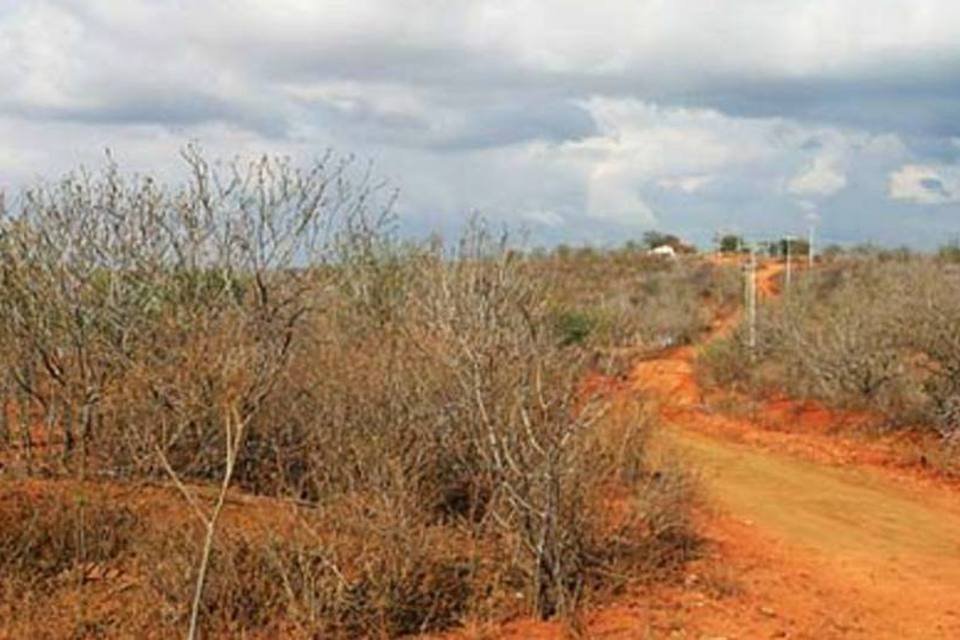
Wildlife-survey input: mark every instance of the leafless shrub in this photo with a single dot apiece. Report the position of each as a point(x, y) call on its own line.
point(259, 328)
point(373, 576)
point(173, 313)
point(872, 333)
point(930, 331)
point(644, 303)
point(44, 537)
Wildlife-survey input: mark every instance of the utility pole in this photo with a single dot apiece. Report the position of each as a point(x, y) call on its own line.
point(751, 301)
point(788, 241)
point(810, 248)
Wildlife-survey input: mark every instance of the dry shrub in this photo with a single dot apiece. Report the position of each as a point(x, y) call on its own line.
point(416, 397)
point(726, 362)
point(241, 593)
point(941, 456)
point(608, 302)
point(720, 580)
point(44, 536)
point(351, 572)
point(468, 406)
point(876, 332)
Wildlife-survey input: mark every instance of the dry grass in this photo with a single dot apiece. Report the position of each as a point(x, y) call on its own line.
point(624, 303)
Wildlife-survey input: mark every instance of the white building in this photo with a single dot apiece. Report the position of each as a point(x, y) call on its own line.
point(664, 250)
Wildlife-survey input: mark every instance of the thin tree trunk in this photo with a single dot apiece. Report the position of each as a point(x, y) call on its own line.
point(234, 440)
point(23, 416)
point(202, 575)
point(5, 408)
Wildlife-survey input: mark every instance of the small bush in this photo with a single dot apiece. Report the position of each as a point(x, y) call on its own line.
point(725, 362)
point(574, 327)
point(950, 253)
point(373, 576)
point(624, 300)
point(875, 332)
point(43, 536)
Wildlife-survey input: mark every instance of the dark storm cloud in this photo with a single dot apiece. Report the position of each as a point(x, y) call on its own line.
point(509, 124)
point(900, 101)
point(506, 96)
point(459, 127)
point(935, 186)
point(167, 109)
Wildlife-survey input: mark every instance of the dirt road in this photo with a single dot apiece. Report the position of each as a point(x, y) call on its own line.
point(883, 555)
point(808, 536)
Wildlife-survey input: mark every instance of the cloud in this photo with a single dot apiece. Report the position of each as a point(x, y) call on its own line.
point(504, 125)
point(543, 217)
point(820, 177)
point(590, 121)
point(687, 184)
point(613, 194)
point(926, 184)
point(388, 115)
point(892, 67)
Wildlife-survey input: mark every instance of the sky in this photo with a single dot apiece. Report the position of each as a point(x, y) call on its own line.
point(582, 122)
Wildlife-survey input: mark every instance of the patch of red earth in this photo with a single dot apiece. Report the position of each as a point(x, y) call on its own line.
point(802, 428)
point(747, 585)
point(751, 584)
point(807, 429)
point(596, 385)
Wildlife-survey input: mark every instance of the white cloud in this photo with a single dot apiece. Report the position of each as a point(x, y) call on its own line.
point(567, 115)
point(926, 184)
point(664, 141)
point(687, 184)
point(684, 41)
point(544, 217)
point(614, 194)
point(820, 177)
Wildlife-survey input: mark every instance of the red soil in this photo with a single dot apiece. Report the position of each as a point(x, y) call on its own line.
point(756, 582)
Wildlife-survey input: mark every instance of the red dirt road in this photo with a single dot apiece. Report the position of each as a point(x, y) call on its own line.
point(882, 553)
point(811, 535)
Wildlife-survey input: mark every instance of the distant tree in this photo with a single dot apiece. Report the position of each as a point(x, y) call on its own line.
point(654, 239)
point(731, 243)
point(797, 246)
point(950, 252)
point(769, 247)
point(833, 251)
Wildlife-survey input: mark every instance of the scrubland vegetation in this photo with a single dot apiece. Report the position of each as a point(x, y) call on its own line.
point(876, 331)
point(624, 303)
point(242, 405)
